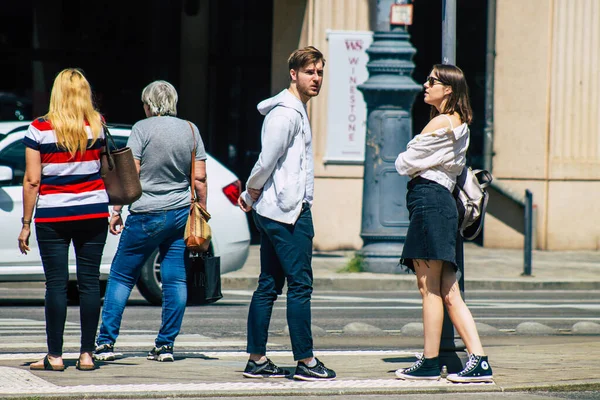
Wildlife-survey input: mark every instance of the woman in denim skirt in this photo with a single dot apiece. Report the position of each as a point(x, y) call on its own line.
point(433, 159)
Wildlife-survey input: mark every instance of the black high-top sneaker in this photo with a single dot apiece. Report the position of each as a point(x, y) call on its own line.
point(422, 369)
point(477, 370)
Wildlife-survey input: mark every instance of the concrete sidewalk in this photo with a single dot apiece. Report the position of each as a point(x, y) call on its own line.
point(519, 364)
point(485, 269)
point(562, 361)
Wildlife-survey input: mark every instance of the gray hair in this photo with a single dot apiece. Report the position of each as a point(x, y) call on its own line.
point(161, 97)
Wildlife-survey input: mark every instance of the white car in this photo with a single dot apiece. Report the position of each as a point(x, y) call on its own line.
point(231, 235)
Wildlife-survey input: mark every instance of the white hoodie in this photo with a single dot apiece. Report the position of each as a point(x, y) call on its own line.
point(284, 170)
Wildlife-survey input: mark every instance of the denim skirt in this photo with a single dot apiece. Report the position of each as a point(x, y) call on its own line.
point(433, 228)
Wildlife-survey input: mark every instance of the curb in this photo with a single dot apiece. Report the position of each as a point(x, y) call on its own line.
point(357, 282)
point(371, 282)
point(309, 391)
point(244, 394)
point(576, 386)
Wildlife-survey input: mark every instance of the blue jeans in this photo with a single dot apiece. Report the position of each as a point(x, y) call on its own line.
point(143, 233)
point(54, 238)
point(285, 253)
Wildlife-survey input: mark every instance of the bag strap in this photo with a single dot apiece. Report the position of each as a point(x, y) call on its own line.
point(109, 136)
point(483, 177)
point(449, 120)
point(109, 156)
point(193, 171)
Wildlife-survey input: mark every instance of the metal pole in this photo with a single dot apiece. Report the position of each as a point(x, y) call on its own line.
point(449, 32)
point(528, 233)
point(450, 345)
point(490, 59)
point(382, 15)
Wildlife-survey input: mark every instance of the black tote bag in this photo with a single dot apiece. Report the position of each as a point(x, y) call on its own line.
point(204, 280)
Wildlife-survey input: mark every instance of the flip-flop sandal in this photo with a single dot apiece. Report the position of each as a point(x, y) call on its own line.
point(82, 367)
point(47, 366)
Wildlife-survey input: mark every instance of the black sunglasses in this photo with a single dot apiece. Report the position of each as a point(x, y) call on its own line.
point(432, 80)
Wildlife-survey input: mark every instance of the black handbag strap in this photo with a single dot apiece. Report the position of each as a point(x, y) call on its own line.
point(111, 161)
point(109, 136)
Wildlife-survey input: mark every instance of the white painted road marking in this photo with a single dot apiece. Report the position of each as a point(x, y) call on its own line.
point(35, 337)
point(18, 381)
point(237, 354)
point(508, 304)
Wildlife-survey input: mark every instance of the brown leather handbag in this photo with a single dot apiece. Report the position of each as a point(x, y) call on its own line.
point(197, 231)
point(118, 171)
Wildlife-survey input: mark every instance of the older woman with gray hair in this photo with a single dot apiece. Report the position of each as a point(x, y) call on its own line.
point(162, 146)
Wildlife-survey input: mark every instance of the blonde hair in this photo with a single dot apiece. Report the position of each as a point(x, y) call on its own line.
point(161, 97)
point(70, 108)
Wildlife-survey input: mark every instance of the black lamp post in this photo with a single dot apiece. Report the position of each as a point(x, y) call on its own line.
point(389, 93)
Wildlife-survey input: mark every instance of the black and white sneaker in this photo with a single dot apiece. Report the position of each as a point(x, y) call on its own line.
point(265, 370)
point(477, 370)
point(317, 373)
point(422, 369)
point(162, 353)
point(105, 352)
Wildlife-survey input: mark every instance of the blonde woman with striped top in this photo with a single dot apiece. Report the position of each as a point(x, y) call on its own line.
point(63, 184)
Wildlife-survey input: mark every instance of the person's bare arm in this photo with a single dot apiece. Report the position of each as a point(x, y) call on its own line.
point(200, 182)
point(31, 189)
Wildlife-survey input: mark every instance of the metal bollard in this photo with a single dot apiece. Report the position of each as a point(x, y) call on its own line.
point(528, 237)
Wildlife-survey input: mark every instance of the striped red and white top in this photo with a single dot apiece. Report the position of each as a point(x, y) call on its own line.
point(71, 187)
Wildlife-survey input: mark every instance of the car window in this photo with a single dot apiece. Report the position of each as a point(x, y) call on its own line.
point(120, 141)
point(14, 156)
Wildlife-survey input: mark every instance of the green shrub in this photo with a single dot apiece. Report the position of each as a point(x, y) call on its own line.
point(356, 264)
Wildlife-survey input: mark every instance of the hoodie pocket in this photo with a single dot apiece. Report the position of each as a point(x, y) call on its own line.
point(287, 191)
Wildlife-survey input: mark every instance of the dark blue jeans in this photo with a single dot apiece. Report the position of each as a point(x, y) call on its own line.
point(54, 239)
point(143, 233)
point(285, 253)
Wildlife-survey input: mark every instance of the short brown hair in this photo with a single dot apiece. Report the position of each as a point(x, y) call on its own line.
point(458, 102)
point(305, 56)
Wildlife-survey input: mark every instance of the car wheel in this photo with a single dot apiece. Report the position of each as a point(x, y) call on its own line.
point(73, 292)
point(149, 283)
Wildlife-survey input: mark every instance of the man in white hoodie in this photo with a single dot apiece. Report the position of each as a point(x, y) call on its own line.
point(280, 190)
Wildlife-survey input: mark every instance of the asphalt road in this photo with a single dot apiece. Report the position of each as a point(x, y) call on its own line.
point(332, 311)
point(221, 326)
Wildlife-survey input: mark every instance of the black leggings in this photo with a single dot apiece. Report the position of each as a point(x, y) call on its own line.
point(54, 238)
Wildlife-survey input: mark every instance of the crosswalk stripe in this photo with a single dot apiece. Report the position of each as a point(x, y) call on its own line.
point(18, 381)
point(237, 354)
point(28, 323)
point(136, 344)
point(11, 331)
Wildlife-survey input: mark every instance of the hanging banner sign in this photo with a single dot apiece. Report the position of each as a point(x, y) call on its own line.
point(346, 108)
